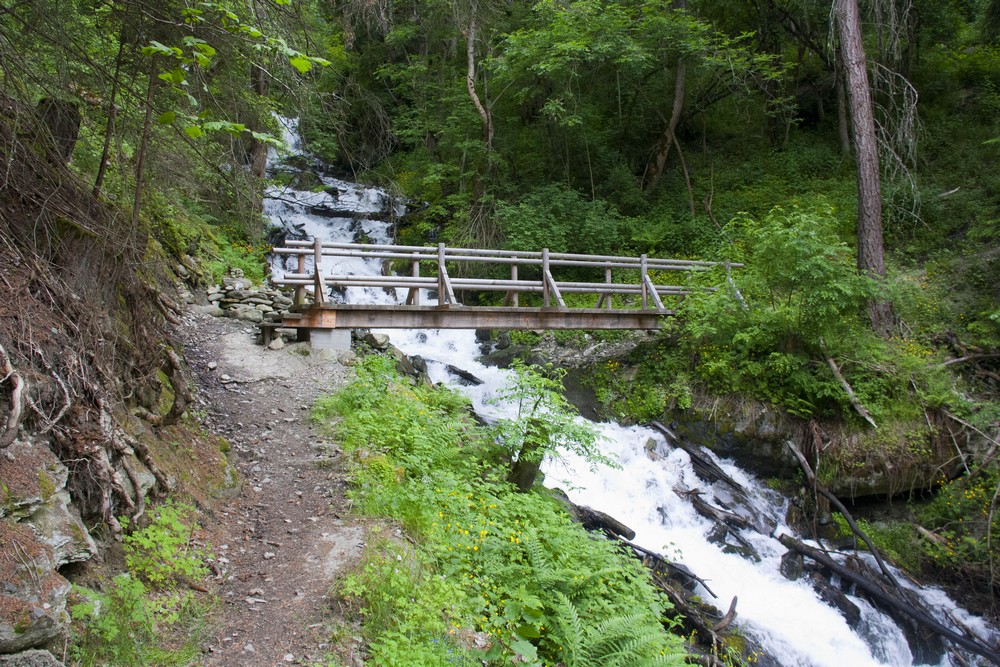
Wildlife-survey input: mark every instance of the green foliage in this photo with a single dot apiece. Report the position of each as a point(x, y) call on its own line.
point(560, 219)
point(126, 625)
point(544, 421)
point(964, 514)
point(804, 303)
point(163, 552)
point(232, 250)
point(489, 567)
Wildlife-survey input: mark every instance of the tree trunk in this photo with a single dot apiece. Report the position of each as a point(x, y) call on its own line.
point(109, 131)
point(871, 260)
point(140, 165)
point(470, 77)
point(668, 137)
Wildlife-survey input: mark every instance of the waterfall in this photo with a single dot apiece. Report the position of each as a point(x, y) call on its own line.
point(787, 618)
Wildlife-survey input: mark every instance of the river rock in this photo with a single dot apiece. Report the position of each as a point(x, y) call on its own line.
point(32, 658)
point(377, 341)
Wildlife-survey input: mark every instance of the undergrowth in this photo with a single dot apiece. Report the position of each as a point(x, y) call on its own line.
point(487, 573)
point(147, 615)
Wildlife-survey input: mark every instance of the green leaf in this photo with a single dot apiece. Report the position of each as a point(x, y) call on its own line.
point(166, 118)
point(301, 63)
point(193, 131)
point(156, 48)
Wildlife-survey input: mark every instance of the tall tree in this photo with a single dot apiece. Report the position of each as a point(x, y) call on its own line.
point(871, 254)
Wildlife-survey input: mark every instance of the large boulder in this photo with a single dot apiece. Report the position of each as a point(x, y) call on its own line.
point(33, 491)
point(33, 594)
point(40, 531)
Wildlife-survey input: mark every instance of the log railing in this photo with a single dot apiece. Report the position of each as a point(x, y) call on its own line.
point(552, 290)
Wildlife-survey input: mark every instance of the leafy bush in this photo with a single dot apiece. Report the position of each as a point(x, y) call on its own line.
point(124, 624)
point(964, 514)
point(803, 301)
point(562, 220)
point(492, 568)
point(162, 553)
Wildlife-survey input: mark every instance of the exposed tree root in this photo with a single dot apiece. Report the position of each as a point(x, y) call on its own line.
point(16, 399)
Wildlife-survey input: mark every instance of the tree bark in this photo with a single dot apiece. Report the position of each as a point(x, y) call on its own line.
point(668, 137)
point(871, 258)
point(140, 165)
point(470, 77)
point(109, 131)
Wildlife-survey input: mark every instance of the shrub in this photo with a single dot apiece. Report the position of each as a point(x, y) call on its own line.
point(491, 573)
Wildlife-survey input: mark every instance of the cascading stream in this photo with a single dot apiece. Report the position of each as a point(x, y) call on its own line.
point(793, 625)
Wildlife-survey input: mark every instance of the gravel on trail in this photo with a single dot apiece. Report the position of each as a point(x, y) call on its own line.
point(285, 534)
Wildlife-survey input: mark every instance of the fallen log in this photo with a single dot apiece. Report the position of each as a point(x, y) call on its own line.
point(706, 468)
point(878, 594)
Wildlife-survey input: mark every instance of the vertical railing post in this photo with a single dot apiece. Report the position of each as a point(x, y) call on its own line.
point(513, 276)
point(545, 278)
point(645, 290)
point(300, 290)
point(320, 287)
point(610, 295)
point(416, 274)
point(442, 287)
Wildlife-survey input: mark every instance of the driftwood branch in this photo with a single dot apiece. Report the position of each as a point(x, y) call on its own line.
point(967, 358)
point(886, 598)
point(851, 396)
point(16, 399)
point(728, 618)
point(811, 477)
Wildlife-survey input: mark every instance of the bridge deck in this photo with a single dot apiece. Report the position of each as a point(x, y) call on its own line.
point(352, 316)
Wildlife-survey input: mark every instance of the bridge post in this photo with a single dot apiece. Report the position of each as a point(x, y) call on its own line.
point(546, 299)
point(645, 290)
point(511, 298)
point(320, 287)
point(610, 305)
point(413, 298)
point(300, 291)
point(442, 286)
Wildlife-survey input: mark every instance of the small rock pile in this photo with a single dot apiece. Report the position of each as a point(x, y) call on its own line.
point(236, 297)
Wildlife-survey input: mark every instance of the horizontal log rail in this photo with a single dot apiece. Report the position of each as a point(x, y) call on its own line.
point(552, 290)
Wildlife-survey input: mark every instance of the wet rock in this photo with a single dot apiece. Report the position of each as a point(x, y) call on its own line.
point(464, 377)
point(792, 565)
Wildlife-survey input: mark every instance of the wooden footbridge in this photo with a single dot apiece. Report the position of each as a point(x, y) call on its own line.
point(630, 296)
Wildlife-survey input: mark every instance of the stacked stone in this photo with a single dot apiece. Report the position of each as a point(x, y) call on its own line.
point(236, 297)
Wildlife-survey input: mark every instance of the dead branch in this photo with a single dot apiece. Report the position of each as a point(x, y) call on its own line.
point(852, 397)
point(16, 399)
point(967, 358)
point(728, 618)
point(879, 594)
point(821, 490)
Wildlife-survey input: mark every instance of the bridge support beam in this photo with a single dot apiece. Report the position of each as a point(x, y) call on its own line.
point(350, 316)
